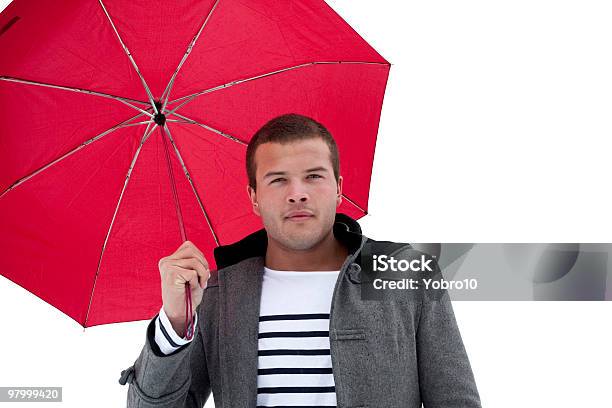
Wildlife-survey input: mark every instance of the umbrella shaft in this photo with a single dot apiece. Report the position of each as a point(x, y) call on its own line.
point(179, 214)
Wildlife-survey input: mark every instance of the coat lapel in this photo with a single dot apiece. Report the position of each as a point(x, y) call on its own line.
point(240, 294)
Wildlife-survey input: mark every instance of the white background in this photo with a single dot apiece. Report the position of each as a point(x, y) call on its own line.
point(496, 127)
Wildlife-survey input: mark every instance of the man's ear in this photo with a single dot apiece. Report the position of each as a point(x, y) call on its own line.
point(253, 197)
point(339, 192)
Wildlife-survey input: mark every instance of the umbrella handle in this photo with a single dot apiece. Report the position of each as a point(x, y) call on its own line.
point(188, 313)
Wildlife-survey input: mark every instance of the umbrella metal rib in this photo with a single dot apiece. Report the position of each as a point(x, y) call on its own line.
point(129, 55)
point(193, 122)
point(123, 124)
point(189, 98)
point(354, 203)
point(166, 93)
point(176, 121)
point(125, 183)
point(127, 101)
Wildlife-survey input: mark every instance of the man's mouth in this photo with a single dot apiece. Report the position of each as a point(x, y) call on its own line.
point(299, 216)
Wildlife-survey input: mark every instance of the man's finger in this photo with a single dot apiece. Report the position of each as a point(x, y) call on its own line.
point(185, 275)
point(190, 263)
point(195, 248)
point(189, 252)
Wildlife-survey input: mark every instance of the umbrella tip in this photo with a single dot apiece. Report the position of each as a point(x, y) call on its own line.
point(159, 117)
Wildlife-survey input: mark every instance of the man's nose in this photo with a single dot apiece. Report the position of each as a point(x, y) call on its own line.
point(294, 199)
point(297, 194)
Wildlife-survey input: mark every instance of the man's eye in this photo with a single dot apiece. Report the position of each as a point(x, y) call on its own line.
point(316, 175)
point(280, 178)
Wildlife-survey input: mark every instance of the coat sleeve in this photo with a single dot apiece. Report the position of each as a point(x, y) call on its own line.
point(445, 375)
point(177, 380)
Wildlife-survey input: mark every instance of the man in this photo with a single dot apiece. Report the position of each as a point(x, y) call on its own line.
point(283, 321)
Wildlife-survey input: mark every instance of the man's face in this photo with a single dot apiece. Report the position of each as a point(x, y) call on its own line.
point(293, 177)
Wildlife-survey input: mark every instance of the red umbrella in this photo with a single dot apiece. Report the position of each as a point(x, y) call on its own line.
point(124, 125)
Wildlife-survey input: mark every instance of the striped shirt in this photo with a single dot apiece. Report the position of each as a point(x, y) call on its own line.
point(294, 360)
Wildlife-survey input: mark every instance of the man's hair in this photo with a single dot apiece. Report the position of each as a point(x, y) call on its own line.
point(286, 129)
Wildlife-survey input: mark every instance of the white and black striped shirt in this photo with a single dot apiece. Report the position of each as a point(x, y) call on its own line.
point(294, 363)
point(294, 360)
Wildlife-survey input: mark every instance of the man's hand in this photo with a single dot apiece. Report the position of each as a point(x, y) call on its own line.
point(186, 264)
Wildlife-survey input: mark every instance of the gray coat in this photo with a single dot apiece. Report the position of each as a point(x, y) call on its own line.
point(384, 354)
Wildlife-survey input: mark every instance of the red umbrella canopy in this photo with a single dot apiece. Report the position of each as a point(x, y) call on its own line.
point(101, 99)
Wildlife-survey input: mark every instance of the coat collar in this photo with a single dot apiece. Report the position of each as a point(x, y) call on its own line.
point(345, 229)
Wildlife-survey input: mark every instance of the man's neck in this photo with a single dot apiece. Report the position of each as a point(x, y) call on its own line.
point(327, 255)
